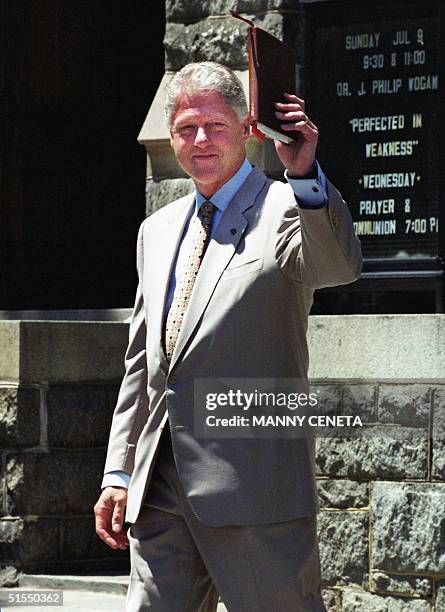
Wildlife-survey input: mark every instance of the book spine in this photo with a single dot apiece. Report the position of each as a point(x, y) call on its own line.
point(253, 80)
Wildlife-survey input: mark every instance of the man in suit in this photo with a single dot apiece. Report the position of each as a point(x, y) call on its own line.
point(226, 279)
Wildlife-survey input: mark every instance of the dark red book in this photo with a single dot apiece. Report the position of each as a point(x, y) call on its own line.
point(271, 73)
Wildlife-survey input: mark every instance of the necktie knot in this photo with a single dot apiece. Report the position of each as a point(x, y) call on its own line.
point(206, 210)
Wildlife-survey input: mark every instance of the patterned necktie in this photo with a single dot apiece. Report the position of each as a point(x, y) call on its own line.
point(201, 232)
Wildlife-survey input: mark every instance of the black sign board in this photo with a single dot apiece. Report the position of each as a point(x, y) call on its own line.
point(373, 85)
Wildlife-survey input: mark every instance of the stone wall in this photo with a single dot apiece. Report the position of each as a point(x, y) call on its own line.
point(382, 498)
point(382, 492)
point(58, 388)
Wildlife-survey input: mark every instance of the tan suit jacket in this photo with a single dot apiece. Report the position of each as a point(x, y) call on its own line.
point(247, 318)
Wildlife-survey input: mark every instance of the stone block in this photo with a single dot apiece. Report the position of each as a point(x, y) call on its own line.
point(440, 596)
point(331, 599)
point(191, 10)
point(414, 586)
point(162, 164)
point(10, 353)
point(329, 398)
point(61, 351)
point(220, 40)
point(343, 547)
point(184, 11)
point(58, 482)
point(160, 193)
point(342, 494)
point(351, 347)
point(219, 7)
point(354, 601)
point(80, 541)
point(407, 527)
point(9, 576)
point(78, 415)
point(376, 456)
point(25, 541)
point(19, 417)
point(2, 487)
point(438, 441)
point(361, 400)
point(405, 404)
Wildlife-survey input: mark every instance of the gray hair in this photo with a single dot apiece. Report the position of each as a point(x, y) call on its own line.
point(201, 77)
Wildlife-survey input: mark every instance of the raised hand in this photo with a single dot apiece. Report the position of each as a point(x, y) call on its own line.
point(298, 157)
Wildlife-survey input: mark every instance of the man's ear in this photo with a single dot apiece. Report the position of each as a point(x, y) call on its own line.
point(246, 128)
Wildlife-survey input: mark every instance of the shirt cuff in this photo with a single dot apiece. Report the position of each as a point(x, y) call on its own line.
point(116, 479)
point(312, 192)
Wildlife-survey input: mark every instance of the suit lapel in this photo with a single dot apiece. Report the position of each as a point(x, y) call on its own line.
point(219, 252)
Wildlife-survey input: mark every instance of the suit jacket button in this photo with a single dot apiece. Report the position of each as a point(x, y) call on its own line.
point(173, 379)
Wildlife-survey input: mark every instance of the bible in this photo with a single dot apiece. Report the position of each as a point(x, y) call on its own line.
point(271, 73)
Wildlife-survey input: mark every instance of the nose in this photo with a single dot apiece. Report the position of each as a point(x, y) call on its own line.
point(201, 138)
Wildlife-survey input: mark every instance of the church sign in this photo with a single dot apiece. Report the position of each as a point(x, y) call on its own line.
point(373, 84)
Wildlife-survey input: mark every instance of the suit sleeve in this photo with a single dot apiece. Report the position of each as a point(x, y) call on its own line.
point(131, 412)
point(318, 245)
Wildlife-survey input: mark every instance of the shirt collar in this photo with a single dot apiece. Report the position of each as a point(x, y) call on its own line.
point(222, 198)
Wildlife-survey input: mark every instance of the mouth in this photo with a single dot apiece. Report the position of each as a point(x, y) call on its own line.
point(207, 157)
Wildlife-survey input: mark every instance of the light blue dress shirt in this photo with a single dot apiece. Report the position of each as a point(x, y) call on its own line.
point(310, 193)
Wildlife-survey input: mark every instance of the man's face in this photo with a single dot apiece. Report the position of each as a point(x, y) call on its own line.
point(208, 139)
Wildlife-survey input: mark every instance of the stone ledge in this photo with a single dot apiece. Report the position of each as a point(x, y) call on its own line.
point(113, 583)
point(53, 351)
point(352, 346)
point(341, 347)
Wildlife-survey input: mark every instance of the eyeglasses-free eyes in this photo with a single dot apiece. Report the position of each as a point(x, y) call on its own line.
point(190, 130)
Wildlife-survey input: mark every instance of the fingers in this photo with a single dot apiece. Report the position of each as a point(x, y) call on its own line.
point(103, 531)
point(305, 127)
point(292, 114)
point(293, 119)
point(109, 513)
point(118, 515)
point(294, 103)
point(294, 98)
point(298, 156)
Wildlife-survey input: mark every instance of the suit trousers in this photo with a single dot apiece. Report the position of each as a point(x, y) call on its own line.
point(179, 564)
